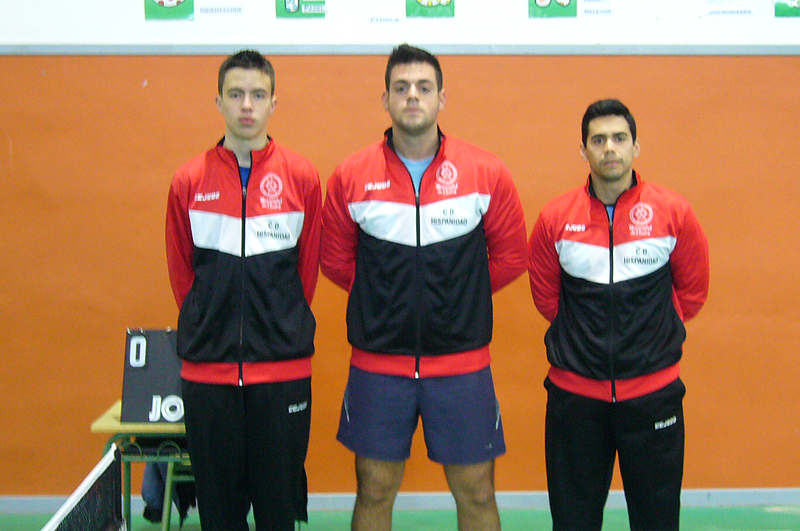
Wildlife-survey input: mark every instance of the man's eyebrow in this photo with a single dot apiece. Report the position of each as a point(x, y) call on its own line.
point(410, 82)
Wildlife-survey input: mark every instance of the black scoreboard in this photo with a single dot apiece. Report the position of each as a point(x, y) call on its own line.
point(151, 384)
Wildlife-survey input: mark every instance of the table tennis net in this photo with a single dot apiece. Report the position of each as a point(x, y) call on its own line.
point(96, 503)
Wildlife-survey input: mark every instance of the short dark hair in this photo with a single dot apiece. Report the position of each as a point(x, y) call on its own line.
point(405, 54)
point(249, 60)
point(608, 107)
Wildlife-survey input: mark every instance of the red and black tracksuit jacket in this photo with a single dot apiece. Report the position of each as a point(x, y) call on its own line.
point(243, 264)
point(421, 270)
point(617, 291)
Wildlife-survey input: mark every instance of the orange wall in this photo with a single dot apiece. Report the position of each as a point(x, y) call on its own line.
point(88, 146)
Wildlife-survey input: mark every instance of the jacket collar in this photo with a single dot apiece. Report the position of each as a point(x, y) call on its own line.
point(388, 137)
point(256, 156)
point(590, 186)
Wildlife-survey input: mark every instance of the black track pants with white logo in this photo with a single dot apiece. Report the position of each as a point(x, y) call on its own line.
point(583, 436)
point(248, 447)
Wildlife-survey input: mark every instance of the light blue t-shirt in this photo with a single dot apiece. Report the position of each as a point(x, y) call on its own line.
point(416, 168)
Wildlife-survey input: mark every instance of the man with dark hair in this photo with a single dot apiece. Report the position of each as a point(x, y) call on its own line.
point(616, 266)
point(248, 60)
point(421, 229)
point(602, 108)
point(242, 232)
point(405, 54)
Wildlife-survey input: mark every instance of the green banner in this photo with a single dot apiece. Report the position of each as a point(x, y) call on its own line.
point(787, 8)
point(430, 8)
point(299, 8)
point(552, 8)
point(168, 9)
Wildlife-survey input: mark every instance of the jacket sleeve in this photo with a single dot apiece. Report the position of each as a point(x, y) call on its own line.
point(504, 226)
point(690, 269)
point(544, 270)
point(309, 241)
point(180, 245)
point(339, 236)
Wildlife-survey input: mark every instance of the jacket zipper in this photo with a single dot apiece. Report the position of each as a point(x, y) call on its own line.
point(418, 314)
point(612, 302)
point(241, 293)
point(417, 276)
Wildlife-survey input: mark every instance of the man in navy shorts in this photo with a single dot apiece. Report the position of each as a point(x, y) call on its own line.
point(420, 229)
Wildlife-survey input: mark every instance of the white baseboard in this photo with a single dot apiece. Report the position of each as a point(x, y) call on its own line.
point(538, 499)
point(444, 500)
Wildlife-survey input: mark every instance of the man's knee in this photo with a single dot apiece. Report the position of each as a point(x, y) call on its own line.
point(378, 481)
point(472, 484)
point(478, 495)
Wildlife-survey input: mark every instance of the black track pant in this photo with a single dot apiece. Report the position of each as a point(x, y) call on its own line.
point(248, 446)
point(583, 437)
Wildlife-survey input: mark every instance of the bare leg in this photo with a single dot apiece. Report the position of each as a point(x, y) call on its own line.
point(473, 488)
point(378, 484)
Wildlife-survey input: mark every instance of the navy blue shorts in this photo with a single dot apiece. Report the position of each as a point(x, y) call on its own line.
point(460, 417)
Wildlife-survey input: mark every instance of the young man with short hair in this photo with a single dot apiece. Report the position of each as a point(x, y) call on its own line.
point(420, 229)
point(242, 232)
point(616, 266)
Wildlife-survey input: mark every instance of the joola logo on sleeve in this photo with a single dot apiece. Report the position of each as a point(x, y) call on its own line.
point(211, 196)
point(368, 187)
point(575, 227)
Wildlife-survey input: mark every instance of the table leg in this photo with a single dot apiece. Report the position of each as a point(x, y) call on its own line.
point(169, 486)
point(126, 498)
